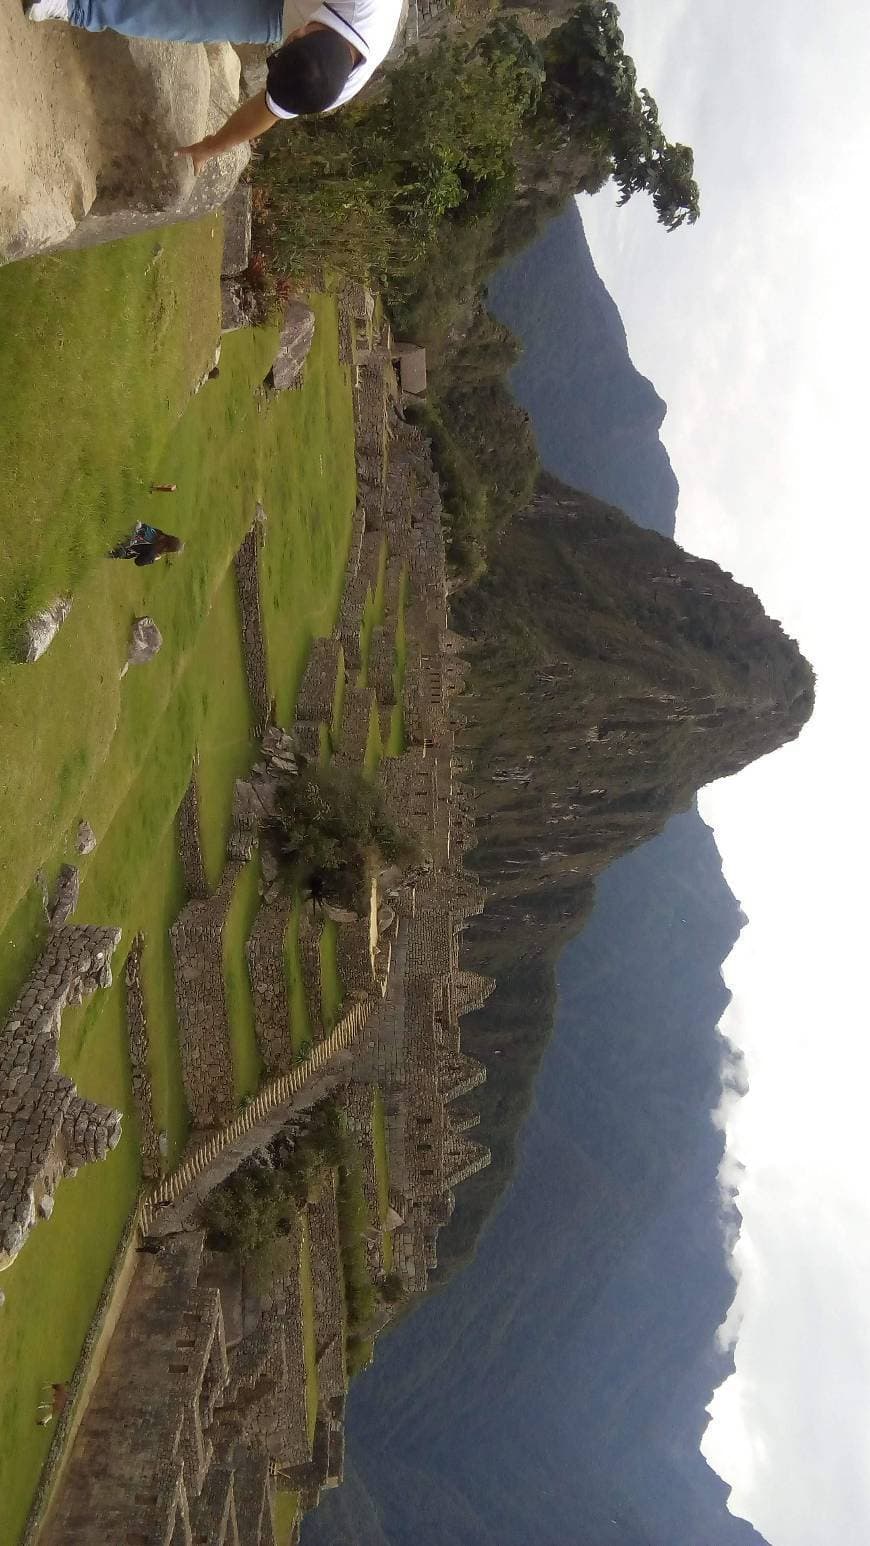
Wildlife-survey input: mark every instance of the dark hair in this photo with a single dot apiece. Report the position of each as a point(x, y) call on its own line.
point(309, 73)
point(165, 543)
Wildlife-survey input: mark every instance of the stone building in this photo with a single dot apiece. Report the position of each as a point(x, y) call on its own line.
point(47, 1130)
point(158, 1460)
point(234, 1388)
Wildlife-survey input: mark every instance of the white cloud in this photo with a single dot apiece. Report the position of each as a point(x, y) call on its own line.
point(754, 327)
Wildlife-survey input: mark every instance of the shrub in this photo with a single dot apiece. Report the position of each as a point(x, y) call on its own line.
point(392, 1288)
point(249, 1211)
point(330, 828)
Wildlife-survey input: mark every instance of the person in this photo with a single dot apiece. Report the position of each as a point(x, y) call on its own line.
point(147, 544)
point(330, 51)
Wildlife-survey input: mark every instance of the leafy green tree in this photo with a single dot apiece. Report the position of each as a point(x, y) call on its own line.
point(330, 827)
point(591, 90)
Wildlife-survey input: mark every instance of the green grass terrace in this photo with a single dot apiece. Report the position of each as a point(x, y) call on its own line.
point(104, 348)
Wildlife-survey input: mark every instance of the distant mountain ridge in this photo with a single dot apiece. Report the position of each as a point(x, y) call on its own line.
point(555, 1392)
point(596, 418)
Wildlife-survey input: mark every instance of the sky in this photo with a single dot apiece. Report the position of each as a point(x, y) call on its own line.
point(754, 327)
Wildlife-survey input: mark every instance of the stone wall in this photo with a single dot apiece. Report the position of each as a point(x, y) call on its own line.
point(266, 1405)
point(247, 566)
point(155, 1459)
point(400, 1029)
point(137, 1032)
point(188, 842)
point(327, 1278)
point(359, 1108)
point(310, 930)
point(47, 1130)
point(206, 1053)
point(266, 954)
point(316, 695)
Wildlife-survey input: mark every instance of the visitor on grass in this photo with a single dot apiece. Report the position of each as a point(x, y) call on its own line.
point(329, 51)
point(147, 544)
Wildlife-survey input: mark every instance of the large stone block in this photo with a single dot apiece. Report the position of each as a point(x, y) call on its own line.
point(237, 232)
point(297, 336)
point(91, 123)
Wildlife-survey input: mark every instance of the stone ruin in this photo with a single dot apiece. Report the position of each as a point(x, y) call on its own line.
point(217, 1413)
point(47, 1130)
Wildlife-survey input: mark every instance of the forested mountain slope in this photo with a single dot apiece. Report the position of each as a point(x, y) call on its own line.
point(596, 418)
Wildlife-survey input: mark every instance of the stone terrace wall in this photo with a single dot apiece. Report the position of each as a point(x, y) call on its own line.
point(354, 735)
point(355, 965)
point(382, 662)
point(188, 842)
point(327, 1279)
point(266, 1403)
point(316, 694)
point(137, 1031)
point(267, 967)
point(46, 1129)
point(206, 1054)
point(358, 1105)
point(310, 930)
point(253, 638)
point(142, 1450)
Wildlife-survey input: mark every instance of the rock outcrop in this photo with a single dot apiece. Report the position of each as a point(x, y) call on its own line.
point(297, 336)
point(91, 126)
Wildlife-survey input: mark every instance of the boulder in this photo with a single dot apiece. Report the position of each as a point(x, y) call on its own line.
point(297, 336)
point(66, 895)
point(86, 838)
point(237, 232)
point(145, 640)
point(90, 127)
point(238, 306)
point(40, 630)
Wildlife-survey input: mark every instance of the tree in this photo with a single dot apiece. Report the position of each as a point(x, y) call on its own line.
point(330, 827)
point(591, 92)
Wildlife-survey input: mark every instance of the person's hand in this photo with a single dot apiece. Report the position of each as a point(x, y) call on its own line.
point(200, 153)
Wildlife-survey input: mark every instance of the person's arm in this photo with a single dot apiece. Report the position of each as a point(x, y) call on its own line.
point(247, 122)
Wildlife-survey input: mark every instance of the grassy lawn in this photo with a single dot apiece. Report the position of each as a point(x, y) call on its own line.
point(225, 743)
point(284, 1513)
point(309, 1328)
point(111, 340)
point(382, 1170)
point(313, 478)
point(374, 742)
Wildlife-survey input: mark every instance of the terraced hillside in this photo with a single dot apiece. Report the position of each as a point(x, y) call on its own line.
point(116, 340)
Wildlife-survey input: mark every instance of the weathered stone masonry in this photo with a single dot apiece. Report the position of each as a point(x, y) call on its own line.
point(47, 1130)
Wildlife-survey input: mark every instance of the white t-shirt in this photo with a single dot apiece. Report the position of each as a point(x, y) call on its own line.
point(370, 25)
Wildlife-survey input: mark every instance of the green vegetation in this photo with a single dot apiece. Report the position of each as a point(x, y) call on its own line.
point(330, 829)
point(361, 1296)
point(249, 1211)
point(78, 741)
point(427, 186)
point(284, 1514)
